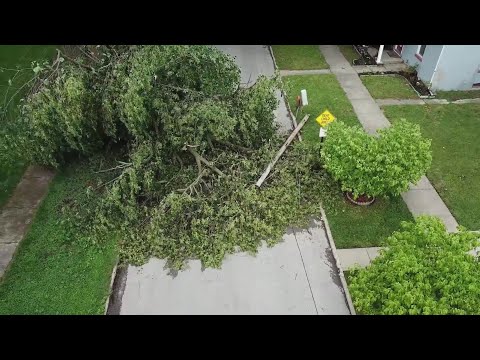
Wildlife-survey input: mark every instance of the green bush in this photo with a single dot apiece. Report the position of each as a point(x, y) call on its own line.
point(424, 270)
point(373, 166)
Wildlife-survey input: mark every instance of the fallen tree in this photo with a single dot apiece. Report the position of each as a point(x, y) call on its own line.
point(189, 143)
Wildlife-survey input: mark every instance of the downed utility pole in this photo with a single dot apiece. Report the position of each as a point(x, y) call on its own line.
point(281, 151)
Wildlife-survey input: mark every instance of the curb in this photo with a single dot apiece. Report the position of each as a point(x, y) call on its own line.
point(337, 261)
point(112, 278)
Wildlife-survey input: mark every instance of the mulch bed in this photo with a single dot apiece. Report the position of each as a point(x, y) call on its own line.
point(362, 200)
point(366, 58)
point(419, 86)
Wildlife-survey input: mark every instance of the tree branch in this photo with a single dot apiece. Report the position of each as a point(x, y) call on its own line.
point(76, 62)
point(198, 158)
point(235, 146)
point(194, 183)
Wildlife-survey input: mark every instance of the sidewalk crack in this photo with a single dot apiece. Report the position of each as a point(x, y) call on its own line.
point(306, 273)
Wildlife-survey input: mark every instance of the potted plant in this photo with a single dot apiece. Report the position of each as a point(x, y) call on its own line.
point(370, 166)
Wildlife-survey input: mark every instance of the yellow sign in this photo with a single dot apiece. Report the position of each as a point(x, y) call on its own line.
point(325, 118)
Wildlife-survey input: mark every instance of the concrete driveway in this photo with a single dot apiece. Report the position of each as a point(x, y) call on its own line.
point(255, 60)
point(296, 276)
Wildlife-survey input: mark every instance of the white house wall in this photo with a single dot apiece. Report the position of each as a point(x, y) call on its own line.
point(426, 67)
point(457, 68)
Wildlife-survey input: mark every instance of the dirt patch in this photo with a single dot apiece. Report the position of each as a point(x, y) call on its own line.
point(412, 77)
point(362, 200)
point(417, 84)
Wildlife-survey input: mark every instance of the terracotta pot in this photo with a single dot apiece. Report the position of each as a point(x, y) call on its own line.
point(362, 200)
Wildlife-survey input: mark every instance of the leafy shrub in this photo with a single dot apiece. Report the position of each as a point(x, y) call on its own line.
point(373, 166)
point(424, 270)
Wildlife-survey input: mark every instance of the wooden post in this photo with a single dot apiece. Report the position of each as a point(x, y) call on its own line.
point(281, 151)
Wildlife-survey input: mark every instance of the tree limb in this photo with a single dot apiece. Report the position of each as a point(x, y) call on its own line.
point(76, 62)
point(281, 151)
point(235, 146)
point(200, 158)
point(123, 165)
point(194, 183)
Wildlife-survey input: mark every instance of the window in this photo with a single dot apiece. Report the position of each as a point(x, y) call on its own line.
point(420, 52)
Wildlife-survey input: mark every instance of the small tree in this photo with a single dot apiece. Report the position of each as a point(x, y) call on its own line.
point(373, 166)
point(424, 270)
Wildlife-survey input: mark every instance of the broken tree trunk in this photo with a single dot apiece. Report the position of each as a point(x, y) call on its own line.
point(281, 151)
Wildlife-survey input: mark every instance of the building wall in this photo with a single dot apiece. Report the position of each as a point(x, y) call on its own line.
point(426, 67)
point(458, 68)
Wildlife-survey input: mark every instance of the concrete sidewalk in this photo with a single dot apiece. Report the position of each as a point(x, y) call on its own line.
point(255, 60)
point(422, 198)
point(357, 256)
point(18, 213)
point(296, 276)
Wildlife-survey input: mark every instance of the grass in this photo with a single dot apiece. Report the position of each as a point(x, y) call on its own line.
point(349, 52)
point(9, 178)
point(389, 87)
point(356, 226)
point(10, 57)
point(455, 171)
point(352, 226)
point(458, 95)
point(324, 92)
point(53, 271)
point(299, 57)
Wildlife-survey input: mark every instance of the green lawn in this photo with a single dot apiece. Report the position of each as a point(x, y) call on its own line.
point(388, 87)
point(351, 225)
point(349, 52)
point(458, 95)
point(10, 57)
point(54, 272)
point(299, 57)
point(455, 171)
point(324, 92)
point(364, 226)
point(9, 178)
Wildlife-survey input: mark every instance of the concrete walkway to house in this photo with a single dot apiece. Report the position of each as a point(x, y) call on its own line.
point(422, 198)
point(357, 256)
point(19, 211)
point(362, 69)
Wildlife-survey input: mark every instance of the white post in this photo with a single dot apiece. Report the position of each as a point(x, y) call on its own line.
point(379, 56)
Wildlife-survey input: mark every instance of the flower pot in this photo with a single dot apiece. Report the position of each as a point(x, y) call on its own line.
point(362, 200)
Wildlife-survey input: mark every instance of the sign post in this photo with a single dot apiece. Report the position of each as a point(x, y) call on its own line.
point(323, 120)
